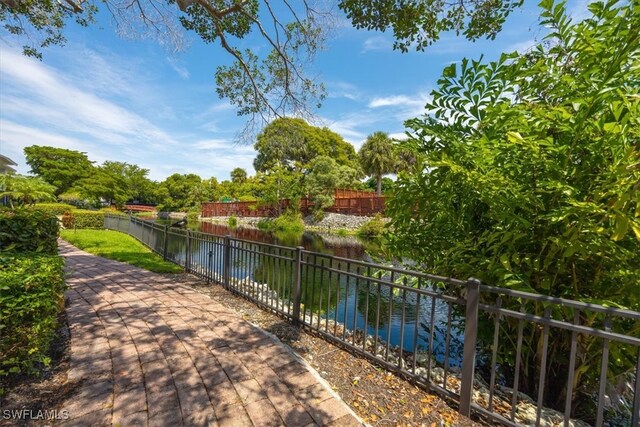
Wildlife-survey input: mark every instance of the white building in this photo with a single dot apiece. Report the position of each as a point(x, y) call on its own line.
point(5, 165)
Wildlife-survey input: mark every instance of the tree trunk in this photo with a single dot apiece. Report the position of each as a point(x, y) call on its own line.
point(379, 189)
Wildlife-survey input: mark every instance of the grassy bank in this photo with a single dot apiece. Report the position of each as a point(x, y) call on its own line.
point(120, 247)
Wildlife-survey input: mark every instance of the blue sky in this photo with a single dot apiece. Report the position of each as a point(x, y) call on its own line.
point(134, 101)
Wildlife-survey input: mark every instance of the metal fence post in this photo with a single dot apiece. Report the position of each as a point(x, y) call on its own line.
point(469, 350)
point(165, 242)
point(187, 257)
point(297, 295)
point(226, 267)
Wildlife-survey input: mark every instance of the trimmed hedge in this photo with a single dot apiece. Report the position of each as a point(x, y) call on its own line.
point(79, 218)
point(28, 230)
point(31, 296)
point(55, 208)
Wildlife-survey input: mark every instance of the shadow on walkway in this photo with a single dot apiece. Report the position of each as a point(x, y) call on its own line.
point(146, 350)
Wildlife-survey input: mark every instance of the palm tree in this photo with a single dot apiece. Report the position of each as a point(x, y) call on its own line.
point(238, 176)
point(26, 190)
point(377, 157)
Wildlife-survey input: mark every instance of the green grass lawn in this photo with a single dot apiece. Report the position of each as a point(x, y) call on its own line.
point(120, 247)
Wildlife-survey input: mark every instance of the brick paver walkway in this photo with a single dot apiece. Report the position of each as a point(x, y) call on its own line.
point(149, 351)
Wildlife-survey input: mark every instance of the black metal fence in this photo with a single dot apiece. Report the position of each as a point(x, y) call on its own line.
point(506, 355)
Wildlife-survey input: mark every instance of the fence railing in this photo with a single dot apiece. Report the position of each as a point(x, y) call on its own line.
point(505, 355)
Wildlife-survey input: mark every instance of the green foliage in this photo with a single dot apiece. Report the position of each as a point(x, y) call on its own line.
point(277, 184)
point(418, 23)
point(193, 216)
point(325, 175)
point(25, 190)
point(132, 180)
point(101, 187)
point(233, 221)
point(529, 173)
point(289, 222)
point(41, 22)
point(378, 157)
point(238, 175)
point(31, 296)
point(264, 82)
point(342, 232)
point(58, 166)
point(386, 184)
point(79, 218)
point(292, 143)
point(120, 247)
point(179, 192)
point(28, 230)
point(372, 228)
point(54, 208)
point(72, 198)
point(264, 224)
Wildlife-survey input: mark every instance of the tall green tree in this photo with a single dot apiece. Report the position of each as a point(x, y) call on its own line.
point(137, 186)
point(58, 166)
point(181, 191)
point(293, 143)
point(378, 157)
point(101, 187)
point(528, 176)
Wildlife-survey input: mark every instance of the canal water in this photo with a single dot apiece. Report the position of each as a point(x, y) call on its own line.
point(400, 318)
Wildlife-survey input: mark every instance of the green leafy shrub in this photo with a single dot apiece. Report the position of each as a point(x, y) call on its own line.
point(55, 208)
point(31, 296)
point(79, 218)
point(372, 228)
point(233, 221)
point(527, 179)
point(289, 221)
point(193, 216)
point(319, 214)
point(265, 224)
point(28, 229)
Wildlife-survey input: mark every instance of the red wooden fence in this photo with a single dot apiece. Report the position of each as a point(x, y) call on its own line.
point(139, 208)
point(349, 202)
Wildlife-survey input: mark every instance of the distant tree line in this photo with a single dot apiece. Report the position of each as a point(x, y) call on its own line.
point(294, 160)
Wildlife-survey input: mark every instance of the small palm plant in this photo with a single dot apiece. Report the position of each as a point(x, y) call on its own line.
point(25, 190)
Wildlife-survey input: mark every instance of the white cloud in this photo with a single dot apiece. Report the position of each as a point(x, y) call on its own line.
point(403, 106)
point(398, 136)
point(41, 93)
point(338, 89)
point(182, 71)
point(376, 43)
point(100, 113)
point(394, 101)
